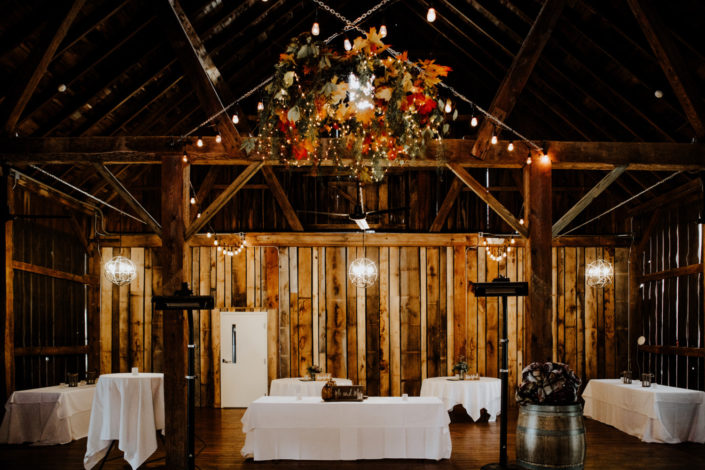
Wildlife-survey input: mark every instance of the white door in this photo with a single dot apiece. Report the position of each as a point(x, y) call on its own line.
point(243, 358)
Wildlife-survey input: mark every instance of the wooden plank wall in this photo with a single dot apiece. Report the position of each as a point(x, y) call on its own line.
point(414, 323)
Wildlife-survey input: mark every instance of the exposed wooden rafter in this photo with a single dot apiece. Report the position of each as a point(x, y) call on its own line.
point(281, 199)
point(579, 206)
point(205, 77)
point(223, 199)
point(671, 62)
point(488, 198)
point(519, 72)
point(27, 80)
point(119, 188)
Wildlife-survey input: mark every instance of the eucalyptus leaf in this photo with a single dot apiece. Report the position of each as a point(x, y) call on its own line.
point(293, 114)
point(446, 128)
point(455, 114)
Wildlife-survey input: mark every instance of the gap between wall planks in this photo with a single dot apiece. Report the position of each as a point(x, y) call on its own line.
point(413, 323)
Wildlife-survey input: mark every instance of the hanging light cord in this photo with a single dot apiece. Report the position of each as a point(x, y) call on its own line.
point(623, 203)
point(349, 25)
point(85, 193)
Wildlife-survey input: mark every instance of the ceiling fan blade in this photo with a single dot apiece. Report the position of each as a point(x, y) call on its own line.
point(387, 211)
point(329, 214)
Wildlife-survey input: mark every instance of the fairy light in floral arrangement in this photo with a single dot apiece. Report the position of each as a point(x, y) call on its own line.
point(359, 108)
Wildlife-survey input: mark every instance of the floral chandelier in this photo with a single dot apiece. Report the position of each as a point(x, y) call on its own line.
point(372, 111)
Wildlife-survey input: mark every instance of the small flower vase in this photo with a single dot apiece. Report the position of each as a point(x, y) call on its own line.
point(461, 374)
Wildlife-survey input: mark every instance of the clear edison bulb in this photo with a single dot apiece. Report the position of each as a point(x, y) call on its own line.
point(347, 45)
point(315, 29)
point(431, 15)
point(448, 107)
point(494, 139)
point(383, 31)
point(510, 147)
point(236, 119)
point(473, 121)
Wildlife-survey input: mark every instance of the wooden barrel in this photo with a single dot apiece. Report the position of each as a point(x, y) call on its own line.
point(550, 437)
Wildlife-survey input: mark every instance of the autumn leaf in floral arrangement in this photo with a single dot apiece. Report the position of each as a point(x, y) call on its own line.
point(363, 109)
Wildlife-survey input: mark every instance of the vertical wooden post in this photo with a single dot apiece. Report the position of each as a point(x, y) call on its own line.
point(8, 317)
point(537, 316)
point(94, 269)
point(175, 328)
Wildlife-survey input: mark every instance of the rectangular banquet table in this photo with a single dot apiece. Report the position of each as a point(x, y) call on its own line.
point(654, 414)
point(129, 409)
point(301, 386)
point(47, 416)
point(377, 428)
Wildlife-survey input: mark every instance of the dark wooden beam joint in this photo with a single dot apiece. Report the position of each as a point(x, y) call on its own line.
point(282, 200)
point(676, 350)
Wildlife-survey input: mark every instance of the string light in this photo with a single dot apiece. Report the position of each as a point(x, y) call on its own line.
point(315, 29)
point(236, 119)
point(185, 158)
point(347, 45)
point(218, 139)
point(431, 15)
point(208, 234)
point(528, 160)
point(260, 106)
point(199, 142)
point(383, 31)
point(192, 200)
point(494, 139)
point(510, 146)
point(215, 242)
point(449, 106)
point(198, 216)
point(544, 159)
point(521, 221)
point(473, 121)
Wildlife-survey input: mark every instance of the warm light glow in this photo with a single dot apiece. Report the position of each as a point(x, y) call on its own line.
point(198, 216)
point(361, 93)
point(218, 139)
point(61, 88)
point(199, 142)
point(260, 106)
point(521, 221)
point(383, 31)
point(493, 140)
point(185, 158)
point(431, 15)
point(315, 29)
point(545, 160)
point(120, 270)
point(236, 119)
point(215, 242)
point(473, 121)
point(208, 234)
point(599, 273)
point(510, 147)
point(528, 160)
point(192, 200)
point(220, 248)
point(363, 272)
point(347, 44)
point(449, 106)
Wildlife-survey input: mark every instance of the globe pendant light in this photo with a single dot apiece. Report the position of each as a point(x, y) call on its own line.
point(363, 271)
point(599, 273)
point(120, 270)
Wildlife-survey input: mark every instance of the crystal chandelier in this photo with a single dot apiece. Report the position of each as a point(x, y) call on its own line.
point(599, 273)
point(120, 270)
point(363, 272)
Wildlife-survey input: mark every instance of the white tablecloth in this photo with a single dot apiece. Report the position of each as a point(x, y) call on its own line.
point(129, 409)
point(377, 428)
point(474, 395)
point(295, 386)
point(654, 414)
point(46, 416)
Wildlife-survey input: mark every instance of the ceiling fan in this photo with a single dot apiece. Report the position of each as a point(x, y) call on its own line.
point(359, 214)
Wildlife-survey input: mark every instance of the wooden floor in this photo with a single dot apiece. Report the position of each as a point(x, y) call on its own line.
point(474, 444)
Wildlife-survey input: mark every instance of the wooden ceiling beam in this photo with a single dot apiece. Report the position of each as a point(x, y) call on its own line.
point(655, 156)
point(205, 77)
point(120, 189)
point(223, 198)
point(455, 188)
point(671, 62)
point(488, 198)
point(670, 197)
point(590, 196)
point(27, 80)
point(519, 72)
point(46, 191)
point(282, 199)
